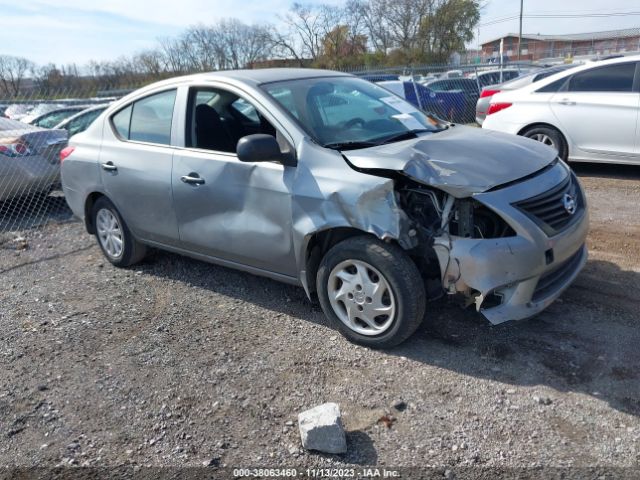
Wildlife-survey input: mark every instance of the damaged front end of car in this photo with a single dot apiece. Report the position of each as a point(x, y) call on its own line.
point(509, 245)
point(493, 253)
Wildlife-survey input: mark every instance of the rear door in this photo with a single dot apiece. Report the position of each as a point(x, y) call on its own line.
point(598, 109)
point(136, 162)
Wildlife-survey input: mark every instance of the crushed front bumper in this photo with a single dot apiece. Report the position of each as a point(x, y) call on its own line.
point(513, 278)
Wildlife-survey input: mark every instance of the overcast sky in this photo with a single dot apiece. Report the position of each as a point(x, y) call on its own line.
point(65, 31)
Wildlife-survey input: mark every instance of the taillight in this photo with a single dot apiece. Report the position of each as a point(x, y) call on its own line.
point(65, 152)
point(488, 93)
point(14, 149)
point(496, 107)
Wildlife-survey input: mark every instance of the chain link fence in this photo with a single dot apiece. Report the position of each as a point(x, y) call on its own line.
point(450, 92)
point(35, 125)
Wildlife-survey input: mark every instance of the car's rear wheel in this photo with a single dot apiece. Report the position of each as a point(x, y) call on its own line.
point(114, 237)
point(371, 291)
point(549, 136)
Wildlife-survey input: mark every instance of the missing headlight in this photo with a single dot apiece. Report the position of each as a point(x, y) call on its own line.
point(473, 220)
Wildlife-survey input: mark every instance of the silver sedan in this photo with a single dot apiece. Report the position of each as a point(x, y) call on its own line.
point(29, 159)
point(327, 181)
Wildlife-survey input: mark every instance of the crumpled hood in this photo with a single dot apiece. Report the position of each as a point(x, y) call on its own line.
point(460, 160)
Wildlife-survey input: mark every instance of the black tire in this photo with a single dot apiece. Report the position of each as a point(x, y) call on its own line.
point(400, 273)
point(132, 250)
point(556, 137)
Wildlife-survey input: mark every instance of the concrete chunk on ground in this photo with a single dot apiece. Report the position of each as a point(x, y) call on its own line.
point(321, 429)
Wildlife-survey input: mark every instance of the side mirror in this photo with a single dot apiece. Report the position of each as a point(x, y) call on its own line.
point(261, 147)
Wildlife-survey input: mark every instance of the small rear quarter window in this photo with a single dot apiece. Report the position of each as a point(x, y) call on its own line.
point(121, 122)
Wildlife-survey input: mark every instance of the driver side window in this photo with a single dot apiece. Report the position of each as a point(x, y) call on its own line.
point(217, 119)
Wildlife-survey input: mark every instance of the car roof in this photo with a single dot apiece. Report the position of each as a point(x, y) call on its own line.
point(248, 77)
point(258, 76)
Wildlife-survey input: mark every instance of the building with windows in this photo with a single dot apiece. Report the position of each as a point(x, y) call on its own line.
point(538, 47)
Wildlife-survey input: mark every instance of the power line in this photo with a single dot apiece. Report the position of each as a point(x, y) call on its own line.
point(559, 16)
point(555, 12)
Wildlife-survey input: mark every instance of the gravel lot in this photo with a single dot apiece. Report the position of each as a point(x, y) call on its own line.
point(177, 362)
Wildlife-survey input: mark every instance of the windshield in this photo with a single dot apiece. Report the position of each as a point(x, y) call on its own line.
point(347, 112)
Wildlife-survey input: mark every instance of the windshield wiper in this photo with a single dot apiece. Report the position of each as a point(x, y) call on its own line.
point(402, 136)
point(350, 145)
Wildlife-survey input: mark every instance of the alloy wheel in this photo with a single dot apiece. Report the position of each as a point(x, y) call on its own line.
point(110, 233)
point(546, 139)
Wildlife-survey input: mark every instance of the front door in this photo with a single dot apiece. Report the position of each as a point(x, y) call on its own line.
point(235, 211)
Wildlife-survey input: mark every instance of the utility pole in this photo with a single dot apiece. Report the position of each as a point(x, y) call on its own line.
point(520, 34)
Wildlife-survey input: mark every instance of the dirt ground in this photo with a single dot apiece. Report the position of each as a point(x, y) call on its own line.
point(180, 363)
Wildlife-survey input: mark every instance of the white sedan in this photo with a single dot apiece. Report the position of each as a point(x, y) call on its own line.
point(588, 114)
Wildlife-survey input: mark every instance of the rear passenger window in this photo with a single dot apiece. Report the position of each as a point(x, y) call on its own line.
point(553, 86)
point(613, 78)
point(147, 120)
point(151, 118)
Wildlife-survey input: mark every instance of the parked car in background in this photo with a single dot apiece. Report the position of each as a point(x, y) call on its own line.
point(81, 121)
point(487, 92)
point(588, 114)
point(39, 110)
point(52, 118)
point(17, 111)
point(453, 74)
point(379, 77)
point(491, 77)
point(29, 159)
point(445, 105)
point(465, 110)
point(330, 182)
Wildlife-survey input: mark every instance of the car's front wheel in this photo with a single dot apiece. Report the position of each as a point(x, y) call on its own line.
point(372, 291)
point(114, 237)
point(549, 136)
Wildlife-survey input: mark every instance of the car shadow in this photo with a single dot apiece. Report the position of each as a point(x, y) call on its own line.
point(607, 170)
point(586, 342)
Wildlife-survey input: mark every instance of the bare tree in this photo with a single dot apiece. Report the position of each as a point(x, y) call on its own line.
point(150, 62)
point(397, 31)
point(404, 18)
point(375, 19)
point(13, 71)
point(300, 35)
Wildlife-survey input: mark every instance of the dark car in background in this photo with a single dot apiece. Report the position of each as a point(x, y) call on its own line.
point(39, 110)
point(379, 77)
point(445, 105)
point(465, 102)
point(52, 118)
point(80, 121)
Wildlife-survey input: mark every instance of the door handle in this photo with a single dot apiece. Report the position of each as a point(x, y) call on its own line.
point(109, 166)
point(566, 101)
point(193, 179)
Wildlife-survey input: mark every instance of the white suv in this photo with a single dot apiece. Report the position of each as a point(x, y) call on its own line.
point(588, 114)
